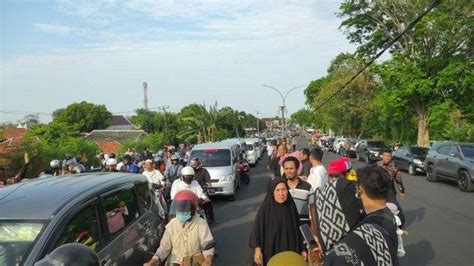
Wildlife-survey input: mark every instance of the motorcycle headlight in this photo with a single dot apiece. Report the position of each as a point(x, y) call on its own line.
point(416, 161)
point(227, 178)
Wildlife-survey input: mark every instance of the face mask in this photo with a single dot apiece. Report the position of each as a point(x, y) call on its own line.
point(183, 216)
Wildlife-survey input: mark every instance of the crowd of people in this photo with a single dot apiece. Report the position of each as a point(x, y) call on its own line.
point(354, 215)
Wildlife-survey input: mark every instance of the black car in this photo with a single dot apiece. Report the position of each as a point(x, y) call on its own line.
point(112, 213)
point(411, 159)
point(370, 150)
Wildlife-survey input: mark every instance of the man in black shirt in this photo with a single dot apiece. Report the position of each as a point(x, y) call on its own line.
point(304, 158)
point(204, 179)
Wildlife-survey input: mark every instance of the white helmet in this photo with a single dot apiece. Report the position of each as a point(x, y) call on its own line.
point(111, 161)
point(187, 171)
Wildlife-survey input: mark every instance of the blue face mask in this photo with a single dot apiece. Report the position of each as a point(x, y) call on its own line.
point(183, 216)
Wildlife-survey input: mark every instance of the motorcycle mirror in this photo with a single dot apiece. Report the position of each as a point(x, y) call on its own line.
point(209, 245)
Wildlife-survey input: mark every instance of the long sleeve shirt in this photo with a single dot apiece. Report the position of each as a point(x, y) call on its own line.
point(395, 174)
point(166, 244)
point(179, 185)
point(155, 177)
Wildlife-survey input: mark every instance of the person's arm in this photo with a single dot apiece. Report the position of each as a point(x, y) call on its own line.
point(163, 250)
point(174, 189)
point(197, 189)
point(205, 235)
point(207, 178)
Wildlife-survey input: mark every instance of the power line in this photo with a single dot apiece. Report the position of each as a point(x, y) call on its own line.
point(388, 45)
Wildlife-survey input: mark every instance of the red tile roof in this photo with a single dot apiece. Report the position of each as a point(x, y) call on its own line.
point(109, 146)
point(14, 133)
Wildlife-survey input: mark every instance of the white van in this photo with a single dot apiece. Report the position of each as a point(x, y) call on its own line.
point(222, 162)
point(252, 155)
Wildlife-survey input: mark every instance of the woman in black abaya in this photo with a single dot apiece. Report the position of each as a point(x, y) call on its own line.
point(275, 228)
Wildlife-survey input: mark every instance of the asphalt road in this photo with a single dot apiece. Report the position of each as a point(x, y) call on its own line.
point(439, 219)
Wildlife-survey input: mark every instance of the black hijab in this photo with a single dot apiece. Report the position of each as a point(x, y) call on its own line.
point(275, 228)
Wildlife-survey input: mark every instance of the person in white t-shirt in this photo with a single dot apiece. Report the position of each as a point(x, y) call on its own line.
point(153, 176)
point(318, 176)
point(187, 182)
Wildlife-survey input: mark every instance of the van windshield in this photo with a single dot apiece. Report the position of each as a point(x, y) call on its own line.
point(16, 239)
point(213, 157)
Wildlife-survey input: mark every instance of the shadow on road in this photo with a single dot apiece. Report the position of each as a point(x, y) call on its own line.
point(413, 215)
point(420, 253)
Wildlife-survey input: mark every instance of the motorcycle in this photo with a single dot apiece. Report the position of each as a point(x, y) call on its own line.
point(244, 171)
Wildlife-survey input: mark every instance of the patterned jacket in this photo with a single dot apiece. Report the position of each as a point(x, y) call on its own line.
point(394, 173)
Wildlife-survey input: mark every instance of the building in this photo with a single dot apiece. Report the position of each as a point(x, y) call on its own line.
point(120, 122)
point(111, 140)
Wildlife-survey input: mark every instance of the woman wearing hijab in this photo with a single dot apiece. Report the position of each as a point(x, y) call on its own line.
point(275, 228)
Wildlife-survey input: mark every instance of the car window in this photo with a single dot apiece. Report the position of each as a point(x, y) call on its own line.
point(454, 149)
point(444, 149)
point(82, 228)
point(468, 151)
point(120, 210)
point(143, 195)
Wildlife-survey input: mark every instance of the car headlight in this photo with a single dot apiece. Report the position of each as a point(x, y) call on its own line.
point(227, 178)
point(416, 161)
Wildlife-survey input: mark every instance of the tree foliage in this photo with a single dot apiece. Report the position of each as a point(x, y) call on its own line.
point(83, 116)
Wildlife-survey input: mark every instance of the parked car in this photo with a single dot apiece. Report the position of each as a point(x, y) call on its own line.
point(369, 150)
point(112, 213)
point(453, 161)
point(411, 159)
point(222, 162)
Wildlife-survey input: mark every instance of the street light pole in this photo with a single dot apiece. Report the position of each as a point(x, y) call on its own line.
point(282, 108)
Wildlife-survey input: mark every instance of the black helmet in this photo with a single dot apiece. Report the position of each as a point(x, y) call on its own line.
point(127, 157)
point(72, 254)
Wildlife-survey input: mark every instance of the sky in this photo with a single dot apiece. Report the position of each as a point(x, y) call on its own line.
point(54, 53)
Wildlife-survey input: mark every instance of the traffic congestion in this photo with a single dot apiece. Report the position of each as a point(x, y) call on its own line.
point(236, 133)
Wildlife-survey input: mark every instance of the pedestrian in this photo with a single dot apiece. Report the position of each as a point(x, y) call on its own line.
point(300, 190)
point(275, 228)
point(306, 164)
point(338, 207)
point(274, 162)
point(318, 175)
point(271, 147)
point(293, 144)
point(154, 176)
point(127, 161)
point(185, 235)
point(373, 241)
point(388, 164)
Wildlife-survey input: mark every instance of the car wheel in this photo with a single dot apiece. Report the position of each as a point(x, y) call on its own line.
point(367, 161)
point(411, 169)
point(464, 181)
point(431, 174)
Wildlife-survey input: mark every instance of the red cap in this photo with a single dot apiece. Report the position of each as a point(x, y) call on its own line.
point(187, 195)
point(337, 167)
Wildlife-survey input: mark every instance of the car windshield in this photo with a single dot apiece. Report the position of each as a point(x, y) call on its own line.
point(16, 239)
point(213, 157)
point(419, 151)
point(376, 144)
point(468, 151)
point(249, 147)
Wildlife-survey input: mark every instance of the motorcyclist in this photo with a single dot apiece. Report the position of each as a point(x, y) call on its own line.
point(185, 235)
point(56, 167)
point(111, 165)
point(202, 176)
point(70, 254)
point(73, 167)
point(173, 171)
point(127, 161)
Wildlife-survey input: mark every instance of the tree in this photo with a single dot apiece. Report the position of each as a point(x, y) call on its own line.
point(419, 75)
point(84, 116)
point(304, 117)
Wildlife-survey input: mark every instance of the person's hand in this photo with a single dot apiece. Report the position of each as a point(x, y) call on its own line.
point(402, 196)
point(206, 200)
point(304, 254)
point(258, 256)
point(26, 157)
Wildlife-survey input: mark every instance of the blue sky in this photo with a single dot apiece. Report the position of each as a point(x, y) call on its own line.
point(53, 53)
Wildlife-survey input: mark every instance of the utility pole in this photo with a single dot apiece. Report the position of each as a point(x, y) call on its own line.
point(145, 95)
point(258, 123)
point(283, 107)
